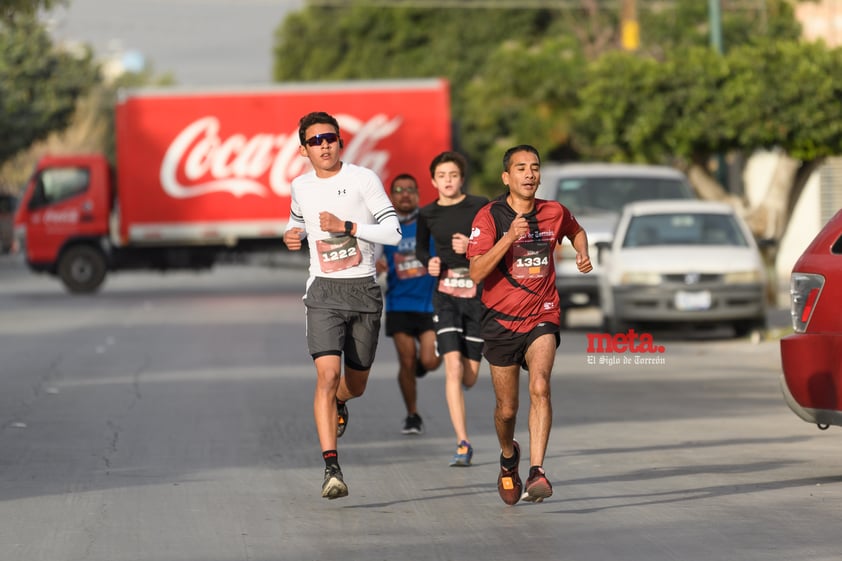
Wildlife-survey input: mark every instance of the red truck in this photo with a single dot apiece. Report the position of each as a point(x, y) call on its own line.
point(202, 174)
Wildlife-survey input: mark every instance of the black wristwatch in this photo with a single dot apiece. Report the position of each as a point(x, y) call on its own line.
point(348, 227)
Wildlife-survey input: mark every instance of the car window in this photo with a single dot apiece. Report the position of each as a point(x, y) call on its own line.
point(594, 194)
point(837, 246)
point(684, 229)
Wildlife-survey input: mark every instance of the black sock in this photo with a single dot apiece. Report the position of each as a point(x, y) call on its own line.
point(331, 458)
point(509, 463)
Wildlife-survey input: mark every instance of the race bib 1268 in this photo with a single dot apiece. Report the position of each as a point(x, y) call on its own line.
point(457, 282)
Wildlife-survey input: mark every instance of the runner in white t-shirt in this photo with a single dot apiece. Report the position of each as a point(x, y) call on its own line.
point(344, 212)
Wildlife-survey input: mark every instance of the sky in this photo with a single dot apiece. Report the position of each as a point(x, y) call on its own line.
point(200, 42)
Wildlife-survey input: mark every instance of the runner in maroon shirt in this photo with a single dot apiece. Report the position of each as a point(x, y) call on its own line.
point(511, 250)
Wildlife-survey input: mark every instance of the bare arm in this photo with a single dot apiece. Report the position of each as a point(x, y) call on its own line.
point(580, 244)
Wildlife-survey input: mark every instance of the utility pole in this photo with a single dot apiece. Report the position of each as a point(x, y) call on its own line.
point(715, 18)
point(629, 26)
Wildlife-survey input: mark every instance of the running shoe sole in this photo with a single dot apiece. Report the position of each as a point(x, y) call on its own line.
point(334, 488)
point(413, 430)
point(509, 484)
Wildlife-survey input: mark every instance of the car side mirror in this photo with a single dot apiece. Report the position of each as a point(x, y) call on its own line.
point(601, 247)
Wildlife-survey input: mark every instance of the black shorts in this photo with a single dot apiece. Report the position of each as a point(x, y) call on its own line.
point(506, 352)
point(411, 323)
point(343, 316)
point(458, 324)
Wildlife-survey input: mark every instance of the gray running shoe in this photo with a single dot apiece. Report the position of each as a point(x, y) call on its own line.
point(334, 486)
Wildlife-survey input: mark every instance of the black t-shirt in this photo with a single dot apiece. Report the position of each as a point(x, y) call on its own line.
point(441, 222)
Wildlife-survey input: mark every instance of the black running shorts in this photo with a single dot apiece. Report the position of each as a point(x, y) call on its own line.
point(411, 323)
point(506, 352)
point(457, 322)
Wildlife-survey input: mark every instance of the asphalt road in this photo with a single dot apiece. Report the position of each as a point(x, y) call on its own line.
point(169, 419)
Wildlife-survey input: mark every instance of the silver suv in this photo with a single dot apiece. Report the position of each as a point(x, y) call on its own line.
point(595, 193)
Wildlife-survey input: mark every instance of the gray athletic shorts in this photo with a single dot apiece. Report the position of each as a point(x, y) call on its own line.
point(343, 316)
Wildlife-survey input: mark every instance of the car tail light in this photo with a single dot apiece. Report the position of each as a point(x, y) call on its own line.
point(804, 289)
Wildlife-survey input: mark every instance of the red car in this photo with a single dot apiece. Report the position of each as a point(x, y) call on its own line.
point(812, 356)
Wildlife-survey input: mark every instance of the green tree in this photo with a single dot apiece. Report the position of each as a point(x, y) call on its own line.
point(679, 24)
point(11, 9)
point(782, 95)
point(39, 86)
point(358, 41)
point(513, 72)
point(528, 98)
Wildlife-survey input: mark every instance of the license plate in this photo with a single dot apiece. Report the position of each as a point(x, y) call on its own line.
point(691, 301)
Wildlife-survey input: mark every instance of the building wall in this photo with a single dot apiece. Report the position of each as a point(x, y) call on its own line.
point(821, 20)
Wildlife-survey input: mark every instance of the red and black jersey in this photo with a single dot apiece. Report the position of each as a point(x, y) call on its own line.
point(520, 292)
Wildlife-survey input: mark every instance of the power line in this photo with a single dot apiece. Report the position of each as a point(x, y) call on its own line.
point(652, 5)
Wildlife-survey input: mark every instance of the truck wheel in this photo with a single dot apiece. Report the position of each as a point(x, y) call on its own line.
point(82, 269)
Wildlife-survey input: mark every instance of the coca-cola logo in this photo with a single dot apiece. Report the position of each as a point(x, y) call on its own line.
point(209, 163)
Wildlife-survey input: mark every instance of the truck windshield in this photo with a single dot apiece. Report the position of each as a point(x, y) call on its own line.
point(59, 183)
point(610, 194)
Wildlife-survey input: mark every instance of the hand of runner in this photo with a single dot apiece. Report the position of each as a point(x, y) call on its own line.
point(583, 263)
point(459, 242)
point(519, 228)
point(292, 238)
point(434, 266)
point(330, 223)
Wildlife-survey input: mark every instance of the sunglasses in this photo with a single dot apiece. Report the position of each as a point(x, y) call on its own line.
point(317, 140)
point(400, 190)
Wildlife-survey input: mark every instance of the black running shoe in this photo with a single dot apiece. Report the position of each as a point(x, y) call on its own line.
point(334, 486)
point(342, 420)
point(509, 484)
point(413, 425)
